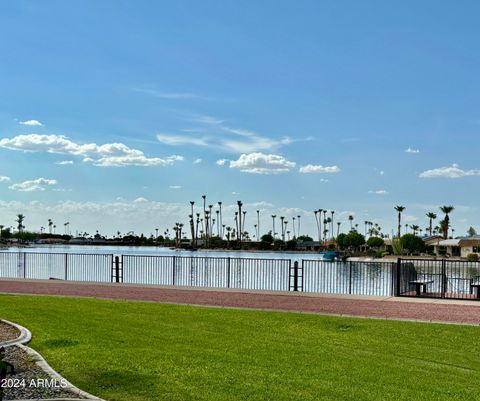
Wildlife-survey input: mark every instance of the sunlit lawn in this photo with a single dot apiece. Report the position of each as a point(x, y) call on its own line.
point(122, 350)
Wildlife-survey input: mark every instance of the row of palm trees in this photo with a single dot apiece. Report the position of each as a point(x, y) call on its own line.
point(442, 227)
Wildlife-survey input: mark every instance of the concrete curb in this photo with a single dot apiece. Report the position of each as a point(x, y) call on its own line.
point(23, 339)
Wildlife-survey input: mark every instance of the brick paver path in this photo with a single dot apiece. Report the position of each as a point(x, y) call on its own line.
point(378, 307)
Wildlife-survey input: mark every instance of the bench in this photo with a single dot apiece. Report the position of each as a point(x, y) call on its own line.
point(419, 284)
point(476, 285)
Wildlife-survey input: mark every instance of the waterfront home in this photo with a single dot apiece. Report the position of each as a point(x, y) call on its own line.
point(458, 247)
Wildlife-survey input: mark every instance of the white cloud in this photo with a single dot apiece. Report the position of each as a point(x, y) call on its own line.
point(260, 163)
point(40, 184)
point(379, 192)
point(221, 162)
point(4, 178)
point(310, 168)
point(175, 186)
point(140, 200)
point(32, 123)
point(454, 171)
point(197, 161)
point(106, 155)
point(64, 162)
point(410, 150)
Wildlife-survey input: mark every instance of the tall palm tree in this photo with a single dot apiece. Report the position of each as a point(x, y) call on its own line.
point(239, 230)
point(258, 225)
point(350, 218)
point(50, 225)
point(318, 225)
point(446, 210)
point(399, 209)
point(431, 216)
point(332, 213)
point(273, 225)
point(338, 227)
point(282, 218)
point(298, 231)
point(192, 225)
point(293, 224)
point(221, 220)
point(415, 228)
point(1, 229)
point(20, 219)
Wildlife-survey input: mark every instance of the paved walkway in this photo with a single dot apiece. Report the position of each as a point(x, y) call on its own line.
point(466, 312)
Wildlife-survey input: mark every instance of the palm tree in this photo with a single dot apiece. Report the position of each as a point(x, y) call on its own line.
point(50, 225)
point(431, 216)
point(446, 210)
point(1, 229)
point(318, 225)
point(258, 225)
point(20, 218)
point(332, 213)
point(239, 229)
point(221, 220)
point(192, 225)
point(415, 228)
point(298, 231)
point(273, 226)
point(399, 209)
point(350, 218)
point(338, 228)
point(282, 218)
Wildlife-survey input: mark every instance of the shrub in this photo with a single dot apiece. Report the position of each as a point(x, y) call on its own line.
point(472, 257)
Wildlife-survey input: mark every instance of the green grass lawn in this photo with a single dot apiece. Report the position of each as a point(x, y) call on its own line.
point(144, 351)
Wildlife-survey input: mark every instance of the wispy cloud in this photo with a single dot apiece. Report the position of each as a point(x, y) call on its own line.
point(379, 192)
point(214, 133)
point(40, 184)
point(175, 187)
point(31, 123)
point(311, 168)
point(453, 171)
point(64, 162)
point(197, 161)
point(171, 95)
point(410, 150)
point(106, 155)
point(4, 178)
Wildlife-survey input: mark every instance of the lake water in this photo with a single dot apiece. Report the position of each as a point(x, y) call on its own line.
point(219, 269)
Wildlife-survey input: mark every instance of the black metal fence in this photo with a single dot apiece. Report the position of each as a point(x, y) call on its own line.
point(362, 278)
point(241, 273)
point(61, 266)
point(406, 277)
point(443, 278)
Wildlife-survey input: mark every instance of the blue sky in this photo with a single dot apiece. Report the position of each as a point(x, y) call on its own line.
point(289, 106)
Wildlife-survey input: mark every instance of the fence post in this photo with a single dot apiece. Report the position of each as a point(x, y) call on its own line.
point(398, 272)
point(173, 269)
point(444, 279)
point(228, 272)
point(117, 269)
point(66, 266)
point(350, 274)
point(24, 265)
point(295, 276)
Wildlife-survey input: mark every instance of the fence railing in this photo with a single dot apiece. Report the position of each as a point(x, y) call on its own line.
point(443, 278)
point(406, 277)
point(61, 266)
point(242, 273)
point(362, 278)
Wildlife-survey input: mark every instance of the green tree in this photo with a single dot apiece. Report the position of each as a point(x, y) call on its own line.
point(471, 232)
point(399, 209)
point(446, 220)
point(304, 238)
point(375, 242)
point(342, 241)
point(431, 216)
point(412, 243)
point(354, 240)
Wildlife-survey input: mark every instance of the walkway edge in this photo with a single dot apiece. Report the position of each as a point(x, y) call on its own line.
point(24, 338)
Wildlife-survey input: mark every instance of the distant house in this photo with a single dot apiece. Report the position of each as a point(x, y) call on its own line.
point(459, 247)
